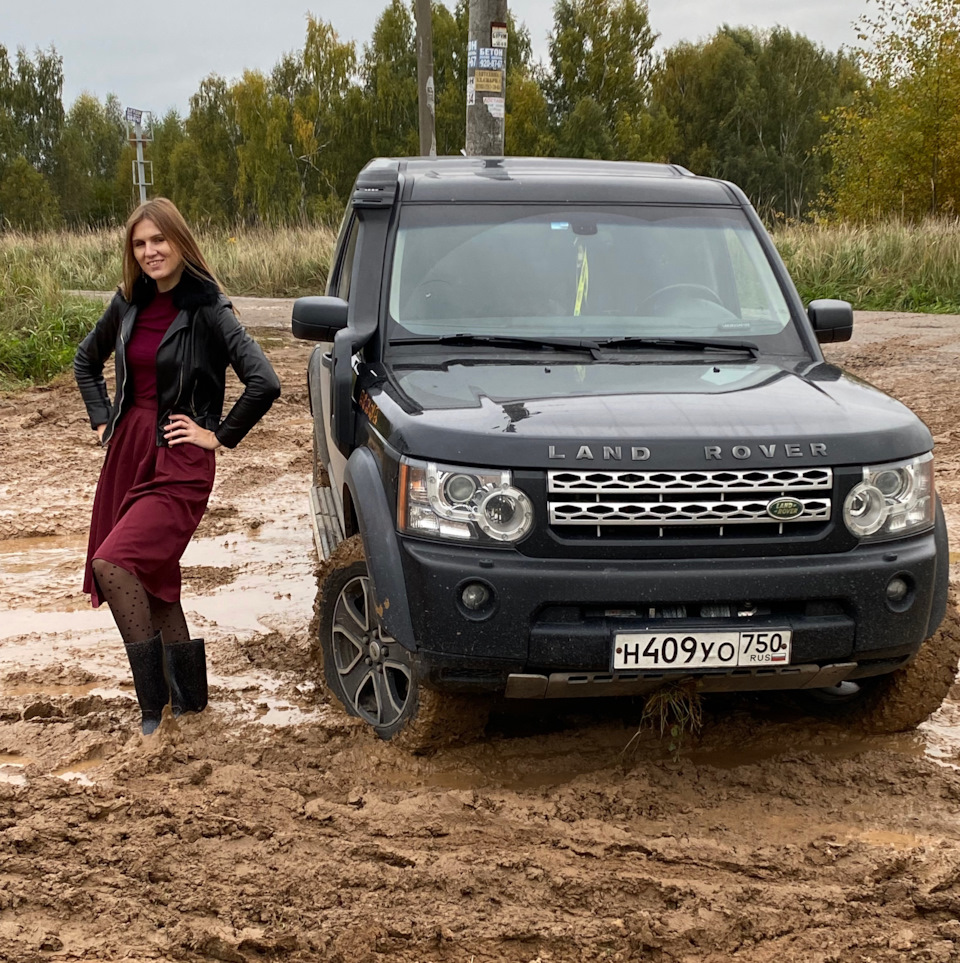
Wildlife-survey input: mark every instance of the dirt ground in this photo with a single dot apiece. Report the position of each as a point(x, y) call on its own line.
point(273, 827)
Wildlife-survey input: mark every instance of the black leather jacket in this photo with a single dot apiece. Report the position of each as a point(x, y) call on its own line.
point(191, 364)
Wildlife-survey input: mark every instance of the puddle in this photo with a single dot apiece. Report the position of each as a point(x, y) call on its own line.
point(279, 713)
point(14, 760)
point(77, 777)
point(12, 776)
point(274, 565)
point(70, 691)
point(76, 770)
point(11, 769)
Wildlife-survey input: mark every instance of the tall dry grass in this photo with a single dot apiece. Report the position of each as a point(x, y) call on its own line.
point(891, 266)
point(41, 322)
point(286, 262)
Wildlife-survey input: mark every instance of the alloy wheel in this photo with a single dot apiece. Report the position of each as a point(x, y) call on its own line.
point(373, 669)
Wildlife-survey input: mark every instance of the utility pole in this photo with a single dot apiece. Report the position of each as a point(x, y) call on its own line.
point(486, 77)
point(142, 170)
point(425, 86)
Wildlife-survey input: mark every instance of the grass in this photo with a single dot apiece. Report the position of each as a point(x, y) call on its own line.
point(674, 712)
point(892, 266)
point(260, 263)
point(40, 325)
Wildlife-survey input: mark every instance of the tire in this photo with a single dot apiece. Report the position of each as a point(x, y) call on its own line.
point(903, 699)
point(374, 677)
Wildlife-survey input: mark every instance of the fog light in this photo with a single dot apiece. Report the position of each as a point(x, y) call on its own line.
point(475, 596)
point(897, 589)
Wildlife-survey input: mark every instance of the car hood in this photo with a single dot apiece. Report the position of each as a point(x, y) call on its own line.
point(671, 415)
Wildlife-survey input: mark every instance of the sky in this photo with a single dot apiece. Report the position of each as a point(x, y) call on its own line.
point(153, 56)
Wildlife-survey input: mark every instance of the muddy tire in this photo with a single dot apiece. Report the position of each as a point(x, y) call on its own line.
point(905, 698)
point(443, 719)
point(374, 677)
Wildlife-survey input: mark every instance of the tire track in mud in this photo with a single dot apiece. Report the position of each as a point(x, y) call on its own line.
point(274, 828)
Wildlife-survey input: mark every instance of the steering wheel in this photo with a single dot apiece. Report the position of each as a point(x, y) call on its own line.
point(676, 292)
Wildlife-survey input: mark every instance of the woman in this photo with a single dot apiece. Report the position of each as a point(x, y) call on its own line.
point(174, 333)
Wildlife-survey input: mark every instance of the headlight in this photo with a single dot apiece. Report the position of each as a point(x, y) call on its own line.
point(446, 501)
point(892, 500)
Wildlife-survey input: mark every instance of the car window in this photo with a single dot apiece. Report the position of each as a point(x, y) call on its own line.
point(578, 272)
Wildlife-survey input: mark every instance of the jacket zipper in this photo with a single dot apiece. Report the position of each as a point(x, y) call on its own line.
point(111, 427)
point(175, 403)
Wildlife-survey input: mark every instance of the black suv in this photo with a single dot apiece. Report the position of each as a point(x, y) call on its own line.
point(574, 436)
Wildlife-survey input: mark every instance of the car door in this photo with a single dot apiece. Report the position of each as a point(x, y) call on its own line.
point(321, 365)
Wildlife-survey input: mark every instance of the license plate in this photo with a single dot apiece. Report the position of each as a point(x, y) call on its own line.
point(694, 649)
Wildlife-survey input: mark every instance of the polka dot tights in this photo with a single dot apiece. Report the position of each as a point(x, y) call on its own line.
point(138, 614)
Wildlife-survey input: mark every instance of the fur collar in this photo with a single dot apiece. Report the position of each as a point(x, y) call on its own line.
point(191, 292)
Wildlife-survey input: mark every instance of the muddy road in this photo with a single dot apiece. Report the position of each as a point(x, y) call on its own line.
point(274, 828)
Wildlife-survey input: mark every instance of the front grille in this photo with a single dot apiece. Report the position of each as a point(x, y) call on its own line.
point(668, 501)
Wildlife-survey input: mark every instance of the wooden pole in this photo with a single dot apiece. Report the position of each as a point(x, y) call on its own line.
point(425, 86)
point(486, 77)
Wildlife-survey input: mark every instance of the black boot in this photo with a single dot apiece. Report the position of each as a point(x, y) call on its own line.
point(187, 674)
point(153, 693)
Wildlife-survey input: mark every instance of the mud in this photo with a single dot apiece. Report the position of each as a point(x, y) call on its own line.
point(273, 827)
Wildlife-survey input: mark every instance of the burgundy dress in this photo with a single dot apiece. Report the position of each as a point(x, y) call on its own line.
point(150, 499)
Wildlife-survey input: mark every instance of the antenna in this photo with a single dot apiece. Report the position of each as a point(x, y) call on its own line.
point(142, 170)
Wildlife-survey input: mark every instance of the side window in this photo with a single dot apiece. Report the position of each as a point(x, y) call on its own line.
point(346, 262)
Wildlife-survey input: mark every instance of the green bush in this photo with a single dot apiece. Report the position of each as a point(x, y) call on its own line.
point(40, 325)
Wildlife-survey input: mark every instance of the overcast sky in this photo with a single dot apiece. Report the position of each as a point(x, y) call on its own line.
point(153, 55)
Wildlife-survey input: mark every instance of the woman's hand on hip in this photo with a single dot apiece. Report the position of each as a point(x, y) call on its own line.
point(180, 430)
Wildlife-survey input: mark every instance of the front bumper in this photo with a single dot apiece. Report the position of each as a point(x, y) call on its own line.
point(555, 619)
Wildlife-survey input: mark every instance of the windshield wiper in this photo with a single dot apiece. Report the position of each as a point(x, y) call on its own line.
point(504, 341)
point(584, 344)
point(681, 344)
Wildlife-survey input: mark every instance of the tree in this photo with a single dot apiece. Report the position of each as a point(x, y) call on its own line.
point(26, 201)
point(211, 125)
point(389, 74)
point(88, 161)
point(601, 58)
point(191, 186)
point(528, 131)
point(318, 83)
point(31, 108)
point(751, 107)
point(267, 188)
point(896, 148)
point(168, 133)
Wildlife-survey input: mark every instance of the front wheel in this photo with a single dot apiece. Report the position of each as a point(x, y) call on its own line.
point(372, 675)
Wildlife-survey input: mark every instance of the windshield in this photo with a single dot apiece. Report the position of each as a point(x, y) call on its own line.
point(605, 272)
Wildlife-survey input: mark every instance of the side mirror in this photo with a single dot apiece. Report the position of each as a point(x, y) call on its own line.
point(832, 320)
point(318, 319)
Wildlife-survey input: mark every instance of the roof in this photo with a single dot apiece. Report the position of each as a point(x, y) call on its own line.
point(542, 179)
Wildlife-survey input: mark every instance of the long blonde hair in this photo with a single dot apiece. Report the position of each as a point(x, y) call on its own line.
point(174, 228)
